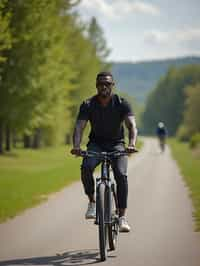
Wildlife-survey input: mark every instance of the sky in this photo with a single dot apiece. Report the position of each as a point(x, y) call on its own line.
point(146, 30)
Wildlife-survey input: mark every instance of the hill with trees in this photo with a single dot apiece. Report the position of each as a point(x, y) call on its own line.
point(175, 101)
point(139, 79)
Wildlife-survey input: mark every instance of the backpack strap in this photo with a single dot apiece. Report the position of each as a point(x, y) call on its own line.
point(88, 101)
point(119, 99)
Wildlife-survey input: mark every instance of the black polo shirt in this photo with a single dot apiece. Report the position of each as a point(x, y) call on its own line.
point(106, 121)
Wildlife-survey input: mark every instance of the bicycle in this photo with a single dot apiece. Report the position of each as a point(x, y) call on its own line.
point(162, 143)
point(107, 211)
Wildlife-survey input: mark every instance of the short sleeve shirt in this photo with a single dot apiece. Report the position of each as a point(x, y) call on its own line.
point(106, 121)
point(161, 132)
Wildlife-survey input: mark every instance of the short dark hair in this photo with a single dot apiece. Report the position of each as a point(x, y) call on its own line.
point(103, 74)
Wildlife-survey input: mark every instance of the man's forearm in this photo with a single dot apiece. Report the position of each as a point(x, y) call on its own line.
point(78, 132)
point(77, 136)
point(132, 130)
point(132, 136)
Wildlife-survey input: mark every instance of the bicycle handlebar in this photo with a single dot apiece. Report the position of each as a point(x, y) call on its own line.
point(103, 155)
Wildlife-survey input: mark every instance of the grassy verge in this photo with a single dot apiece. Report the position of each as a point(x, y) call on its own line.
point(27, 176)
point(189, 163)
point(139, 144)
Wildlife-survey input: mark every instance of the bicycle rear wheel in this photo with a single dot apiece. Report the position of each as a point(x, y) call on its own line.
point(113, 228)
point(101, 222)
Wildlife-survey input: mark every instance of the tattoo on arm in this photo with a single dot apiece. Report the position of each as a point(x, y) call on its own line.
point(78, 132)
point(132, 130)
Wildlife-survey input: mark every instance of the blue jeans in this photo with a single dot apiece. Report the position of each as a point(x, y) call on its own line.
point(119, 166)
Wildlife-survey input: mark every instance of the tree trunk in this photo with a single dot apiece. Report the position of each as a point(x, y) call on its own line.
point(1, 138)
point(27, 141)
point(8, 146)
point(37, 139)
point(14, 139)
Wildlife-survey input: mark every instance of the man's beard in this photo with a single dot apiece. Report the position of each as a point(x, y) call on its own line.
point(105, 93)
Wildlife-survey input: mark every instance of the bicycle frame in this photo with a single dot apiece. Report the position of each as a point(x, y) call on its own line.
point(105, 178)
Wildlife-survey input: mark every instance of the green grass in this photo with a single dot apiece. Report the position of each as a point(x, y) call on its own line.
point(139, 144)
point(189, 163)
point(27, 177)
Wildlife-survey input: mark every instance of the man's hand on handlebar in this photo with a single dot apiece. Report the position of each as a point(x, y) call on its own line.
point(76, 151)
point(131, 149)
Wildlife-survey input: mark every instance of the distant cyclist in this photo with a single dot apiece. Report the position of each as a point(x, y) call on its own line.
point(106, 112)
point(161, 134)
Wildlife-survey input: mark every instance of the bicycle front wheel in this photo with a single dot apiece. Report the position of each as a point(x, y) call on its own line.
point(101, 222)
point(113, 228)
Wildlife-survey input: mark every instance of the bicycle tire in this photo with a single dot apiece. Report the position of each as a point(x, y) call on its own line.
point(162, 146)
point(113, 228)
point(101, 222)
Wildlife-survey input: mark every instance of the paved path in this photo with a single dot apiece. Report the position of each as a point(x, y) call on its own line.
point(160, 214)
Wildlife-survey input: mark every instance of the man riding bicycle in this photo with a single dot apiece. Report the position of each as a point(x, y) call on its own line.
point(106, 113)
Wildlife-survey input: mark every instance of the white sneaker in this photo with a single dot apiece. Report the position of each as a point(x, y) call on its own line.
point(91, 211)
point(123, 225)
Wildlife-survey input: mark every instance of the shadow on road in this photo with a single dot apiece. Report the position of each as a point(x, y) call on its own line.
point(79, 257)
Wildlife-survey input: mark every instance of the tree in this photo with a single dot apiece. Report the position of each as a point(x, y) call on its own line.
point(96, 36)
point(5, 45)
point(192, 109)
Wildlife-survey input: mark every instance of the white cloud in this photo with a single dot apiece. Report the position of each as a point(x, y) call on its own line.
point(99, 6)
point(140, 7)
point(119, 8)
point(155, 37)
point(188, 35)
point(176, 36)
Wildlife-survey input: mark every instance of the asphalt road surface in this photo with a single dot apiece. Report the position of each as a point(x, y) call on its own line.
point(159, 212)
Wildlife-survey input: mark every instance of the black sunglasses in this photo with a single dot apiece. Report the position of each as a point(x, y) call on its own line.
point(107, 83)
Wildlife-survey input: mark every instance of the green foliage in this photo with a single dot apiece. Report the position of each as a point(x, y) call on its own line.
point(192, 109)
point(5, 33)
point(166, 102)
point(195, 140)
point(96, 36)
point(6, 42)
point(137, 108)
point(183, 133)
